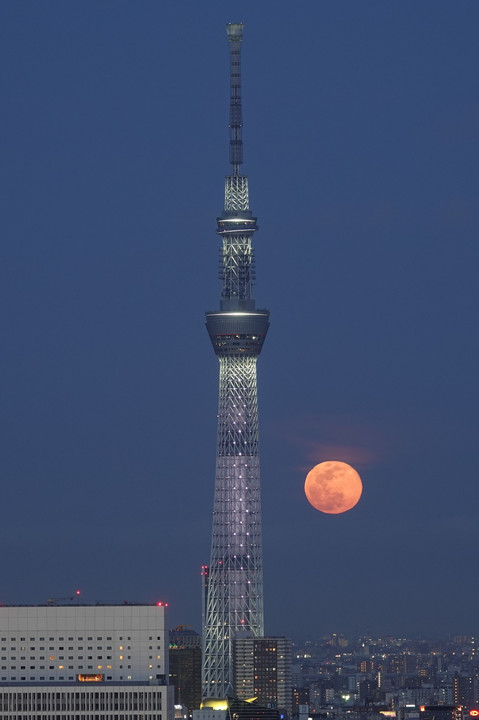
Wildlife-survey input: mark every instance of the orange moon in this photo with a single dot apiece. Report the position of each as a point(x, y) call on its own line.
point(333, 487)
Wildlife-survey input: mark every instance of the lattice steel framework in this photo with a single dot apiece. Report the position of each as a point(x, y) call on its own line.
point(233, 583)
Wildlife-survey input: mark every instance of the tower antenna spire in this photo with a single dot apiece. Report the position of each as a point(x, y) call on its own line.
point(235, 37)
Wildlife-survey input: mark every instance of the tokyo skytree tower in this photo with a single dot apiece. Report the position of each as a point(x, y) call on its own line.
point(234, 581)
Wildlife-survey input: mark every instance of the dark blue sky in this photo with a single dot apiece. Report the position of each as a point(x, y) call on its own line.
point(361, 145)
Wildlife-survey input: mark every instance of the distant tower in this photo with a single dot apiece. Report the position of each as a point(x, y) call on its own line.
point(234, 604)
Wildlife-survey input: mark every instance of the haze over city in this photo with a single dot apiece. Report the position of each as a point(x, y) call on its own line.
point(361, 146)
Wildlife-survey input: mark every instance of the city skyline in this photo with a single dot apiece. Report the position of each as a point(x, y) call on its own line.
point(363, 161)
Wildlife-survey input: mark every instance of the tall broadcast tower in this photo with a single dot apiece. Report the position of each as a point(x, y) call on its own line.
point(234, 581)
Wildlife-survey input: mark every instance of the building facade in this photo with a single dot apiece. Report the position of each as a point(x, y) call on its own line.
point(185, 667)
point(262, 669)
point(81, 662)
point(233, 583)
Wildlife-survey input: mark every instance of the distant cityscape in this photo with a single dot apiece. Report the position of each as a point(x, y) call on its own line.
point(340, 677)
point(388, 673)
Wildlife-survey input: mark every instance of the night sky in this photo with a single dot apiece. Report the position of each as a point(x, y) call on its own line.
point(361, 146)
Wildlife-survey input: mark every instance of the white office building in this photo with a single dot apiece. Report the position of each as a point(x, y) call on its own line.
point(77, 662)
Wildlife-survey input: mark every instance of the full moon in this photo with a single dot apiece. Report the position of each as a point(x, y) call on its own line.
point(333, 487)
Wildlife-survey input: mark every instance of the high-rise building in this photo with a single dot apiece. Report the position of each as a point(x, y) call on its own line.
point(465, 690)
point(70, 661)
point(262, 669)
point(234, 582)
point(185, 667)
point(300, 699)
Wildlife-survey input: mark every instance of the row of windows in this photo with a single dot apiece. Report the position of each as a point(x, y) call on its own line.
point(58, 694)
point(70, 667)
point(61, 667)
point(72, 657)
point(61, 639)
point(62, 677)
point(70, 647)
point(79, 649)
point(71, 701)
point(32, 667)
point(123, 716)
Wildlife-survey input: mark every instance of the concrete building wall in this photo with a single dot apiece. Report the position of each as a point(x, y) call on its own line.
point(56, 644)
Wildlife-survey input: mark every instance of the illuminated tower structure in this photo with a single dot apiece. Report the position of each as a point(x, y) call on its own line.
point(234, 581)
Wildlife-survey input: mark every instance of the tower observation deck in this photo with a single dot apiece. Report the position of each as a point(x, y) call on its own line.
point(234, 580)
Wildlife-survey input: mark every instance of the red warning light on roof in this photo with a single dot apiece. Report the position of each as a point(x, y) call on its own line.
point(77, 592)
point(474, 713)
point(161, 604)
